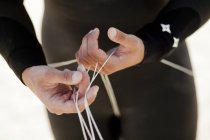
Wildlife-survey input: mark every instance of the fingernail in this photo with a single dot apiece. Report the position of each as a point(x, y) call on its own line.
point(81, 67)
point(66, 70)
point(112, 32)
point(93, 93)
point(76, 77)
point(90, 31)
point(95, 29)
point(96, 89)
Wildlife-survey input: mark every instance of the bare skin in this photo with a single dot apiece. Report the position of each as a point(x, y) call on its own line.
point(54, 87)
point(129, 52)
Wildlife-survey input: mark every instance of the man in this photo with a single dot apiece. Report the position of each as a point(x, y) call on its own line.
point(155, 101)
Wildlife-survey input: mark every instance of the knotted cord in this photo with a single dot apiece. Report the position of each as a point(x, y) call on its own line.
point(92, 124)
point(90, 117)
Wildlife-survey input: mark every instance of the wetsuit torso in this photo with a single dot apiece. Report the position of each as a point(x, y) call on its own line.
point(157, 102)
point(72, 19)
point(154, 99)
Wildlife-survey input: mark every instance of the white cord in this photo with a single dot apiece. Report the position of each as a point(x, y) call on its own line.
point(81, 119)
point(88, 112)
point(164, 61)
point(111, 94)
point(177, 67)
point(63, 63)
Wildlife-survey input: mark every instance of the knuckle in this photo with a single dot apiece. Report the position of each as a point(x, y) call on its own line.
point(86, 77)
point(139, 42)
point(77, 54)
point(84, 62)
point(131, 36)
point(120, 37)
point(84, 56)
point(81, 110)
point(48, 73)
point(87, 66)
point(81, 60)
point(70, 110)
point(91, 100)
point(135, 40)
point(73, 111)
point(66, 76)
point(109, 69)
point(58, 113)
point(81, 107)
point(105, 71)
point(54, 110)
point(89, 35)
point(51, 110)
point(108, 72)
point(91, 53)
point(84, 38)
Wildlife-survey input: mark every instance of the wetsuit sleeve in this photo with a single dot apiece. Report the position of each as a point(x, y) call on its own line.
point(178, 20)
point(18, 43)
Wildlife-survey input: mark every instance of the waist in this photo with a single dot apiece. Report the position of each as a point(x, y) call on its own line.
point(66, 22)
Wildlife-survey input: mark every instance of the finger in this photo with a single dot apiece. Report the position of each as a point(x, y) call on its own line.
point(82, 87)
point(82, 51)
point(92, 40)
point(81, 68)
point(122, 38)
point(91, 96)
point(82, 56)
point(91, 54)
point(92, 46)
point(69, 106)
point(66, 96)
point(102, 56)
point(80, 61)
point(65, 77)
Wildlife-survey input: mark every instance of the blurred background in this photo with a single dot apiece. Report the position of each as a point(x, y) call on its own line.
point(23, 117)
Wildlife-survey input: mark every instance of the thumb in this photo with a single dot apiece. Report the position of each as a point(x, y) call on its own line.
point(65, 77)
point(126, 40)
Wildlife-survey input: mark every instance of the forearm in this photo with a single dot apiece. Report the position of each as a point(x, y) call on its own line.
point(182, 18)
point(18, 43)
point(19, 47)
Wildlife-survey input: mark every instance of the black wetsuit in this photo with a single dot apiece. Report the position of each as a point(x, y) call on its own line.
point(156, 101)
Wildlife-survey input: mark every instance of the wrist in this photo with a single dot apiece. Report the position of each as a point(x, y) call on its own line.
point(141, 50)
point(25, 75)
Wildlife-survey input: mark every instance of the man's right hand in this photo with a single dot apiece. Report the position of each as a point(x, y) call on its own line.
point(54, 87)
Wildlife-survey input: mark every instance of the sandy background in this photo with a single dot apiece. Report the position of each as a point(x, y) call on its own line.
point(23, 117)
